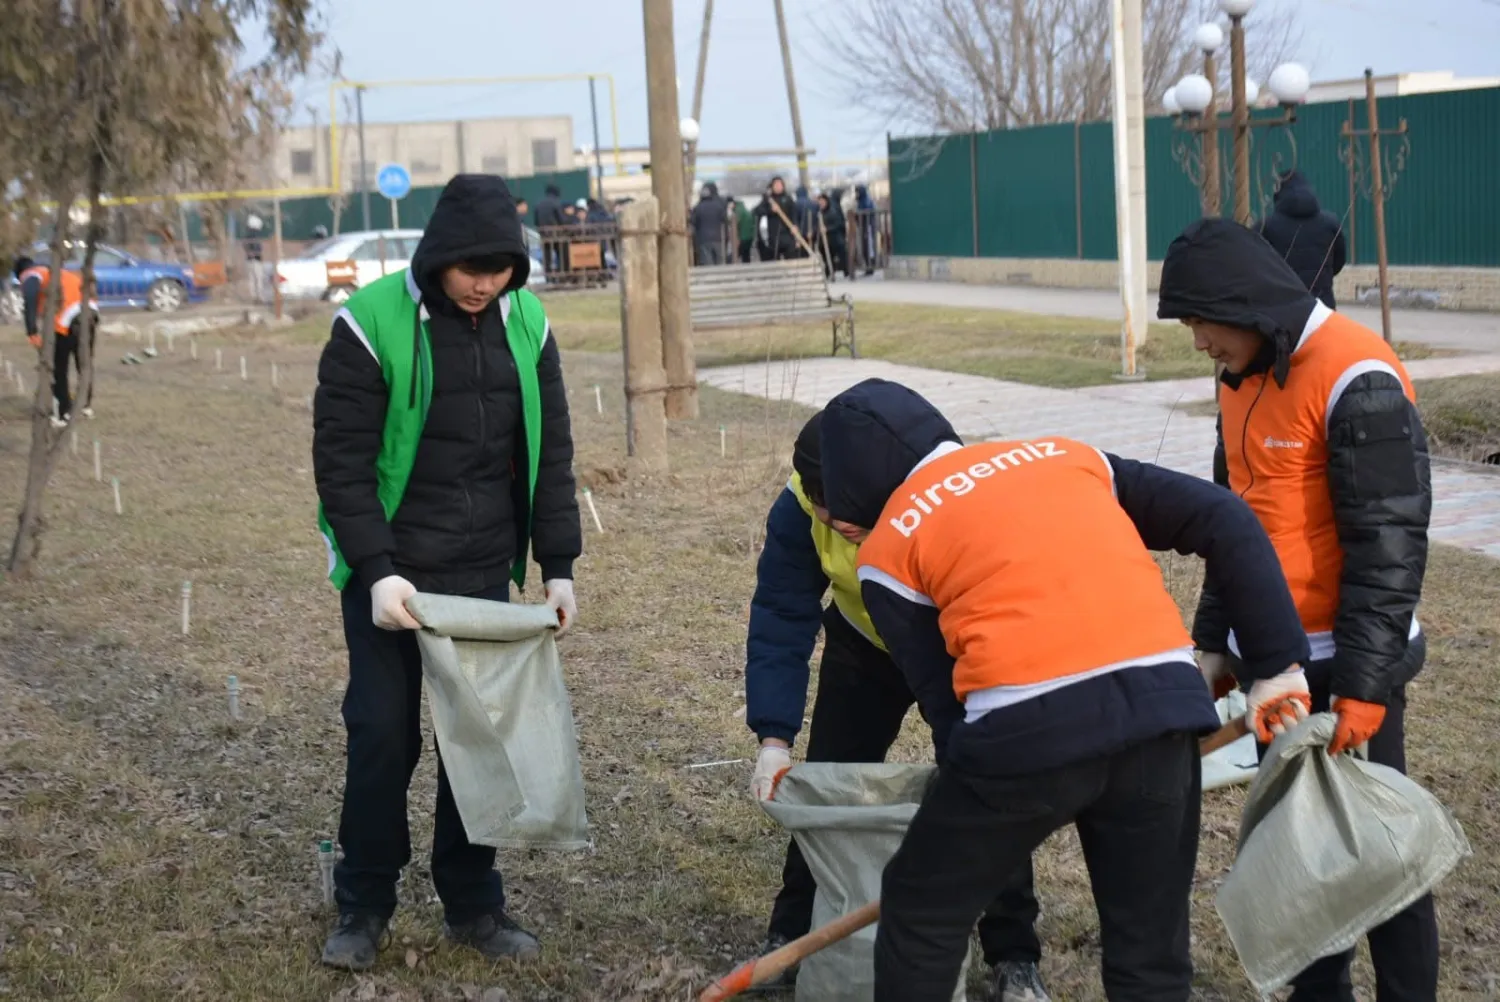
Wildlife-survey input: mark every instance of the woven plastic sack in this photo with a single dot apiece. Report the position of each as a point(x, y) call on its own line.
point(503, 721)
point(1329, 848)
point(848, 821)
point(1235, 763)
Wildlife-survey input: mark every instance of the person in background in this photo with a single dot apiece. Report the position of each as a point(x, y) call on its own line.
point(443, 455)
point(523, 208)
point(34, 280)
point(549, 213)
point(834, 227)
point(1014, 586)
point(778, 239)
point(709, 221)
point(862, 701)
point(864, 207)
point(1307, 236)
point(744, 229)
point(806, 217)
point(1319, 432)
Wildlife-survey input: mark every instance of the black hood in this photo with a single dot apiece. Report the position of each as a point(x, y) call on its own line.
point(710, 190)
point(22, 263)
point(807, 458)
point(873, 435)
point(1220, 271)
point(475, 216)
point(1295, 197)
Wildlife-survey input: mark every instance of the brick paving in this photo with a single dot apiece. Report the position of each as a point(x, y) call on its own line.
point(1135, 420)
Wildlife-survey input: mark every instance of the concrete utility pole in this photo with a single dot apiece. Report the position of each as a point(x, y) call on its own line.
point(692, 150)
point(791, 95)
point(667, 184)
point(645, 380)
point(1130, 178)
point(364, 188)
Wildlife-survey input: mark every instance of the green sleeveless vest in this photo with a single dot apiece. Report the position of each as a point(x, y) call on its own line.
point(384, 316)
point(840, 560)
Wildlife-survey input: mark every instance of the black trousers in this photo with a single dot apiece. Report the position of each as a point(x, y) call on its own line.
point(1136, 812)
point(1404, 949)
point(862, 700)
point(383, 714)
point(64, 352)
point(745, 246)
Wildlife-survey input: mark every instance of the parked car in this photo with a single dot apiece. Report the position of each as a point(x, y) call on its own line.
point(124, 280)
point(306, 275)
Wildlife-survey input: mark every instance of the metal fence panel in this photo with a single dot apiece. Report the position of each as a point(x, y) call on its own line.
point(934, 212)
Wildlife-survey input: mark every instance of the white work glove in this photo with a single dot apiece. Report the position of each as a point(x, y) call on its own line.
point(388, 603)
point(560, 600)
point(770, 764)
point(1217, 672)
point(1277, 704)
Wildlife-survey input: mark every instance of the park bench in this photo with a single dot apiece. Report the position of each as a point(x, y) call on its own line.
point(769, 293)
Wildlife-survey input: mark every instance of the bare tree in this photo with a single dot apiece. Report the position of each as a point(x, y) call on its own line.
point(102, 95)
point(965, 65)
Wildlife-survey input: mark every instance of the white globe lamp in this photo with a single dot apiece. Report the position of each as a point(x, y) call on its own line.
point(1290, 83)
point(689, 129)
point(1209, 37)
point(1236, 8)
point(1193, 93)
point(1169, 101)
point(1252, 92)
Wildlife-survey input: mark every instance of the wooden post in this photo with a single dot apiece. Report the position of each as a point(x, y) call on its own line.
point(276, 264)
point(1377, 196)
point(640, 315)
point(667, 184)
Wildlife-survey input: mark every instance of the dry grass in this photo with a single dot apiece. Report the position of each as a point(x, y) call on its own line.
point(1462, 416)
point(150, 849)
point(1023, 347)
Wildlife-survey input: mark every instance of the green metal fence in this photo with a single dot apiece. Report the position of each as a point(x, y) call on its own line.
point(1048, 191)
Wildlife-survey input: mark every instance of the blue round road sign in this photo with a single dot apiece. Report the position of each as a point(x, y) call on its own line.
point(393, 181)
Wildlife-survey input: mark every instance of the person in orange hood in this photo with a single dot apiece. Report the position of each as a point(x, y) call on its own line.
point(1320, 434)
point(1014, 586)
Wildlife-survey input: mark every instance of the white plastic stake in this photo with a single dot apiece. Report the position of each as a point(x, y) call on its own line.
point(273, 376)
point(119, 508)
point(234, 698)
point(327, 858)
point(244, 371)
point(588, 496)
point(309, 403)
point(723, 442)
point(151, 340)
point(219, 359)
point(171, 342)
point(187, 606)
point(98, 469)
point(598, 399)
point(193, 348)
point(73, 441)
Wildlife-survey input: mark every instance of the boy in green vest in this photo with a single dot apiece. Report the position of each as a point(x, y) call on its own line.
point(862, 701)
point(442, 452)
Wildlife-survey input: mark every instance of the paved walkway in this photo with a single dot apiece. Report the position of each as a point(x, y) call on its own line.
point(1477, 332)
point(1138, 425)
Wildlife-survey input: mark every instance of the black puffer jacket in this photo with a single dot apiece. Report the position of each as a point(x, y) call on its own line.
point(463, 521)
point(1309, 238)
point(1378, 467)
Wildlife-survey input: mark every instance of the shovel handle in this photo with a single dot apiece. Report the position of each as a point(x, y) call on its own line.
point(763, 969)
point(1224, 736)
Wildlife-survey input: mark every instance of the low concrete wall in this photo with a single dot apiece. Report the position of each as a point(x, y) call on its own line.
point(1411, 288)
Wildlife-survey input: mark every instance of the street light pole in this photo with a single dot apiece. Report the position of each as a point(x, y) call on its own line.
point(1209, 137)
point(1240, 119)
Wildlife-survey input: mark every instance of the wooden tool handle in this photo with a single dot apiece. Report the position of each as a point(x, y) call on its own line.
point(1224, 736)
point(763, 969)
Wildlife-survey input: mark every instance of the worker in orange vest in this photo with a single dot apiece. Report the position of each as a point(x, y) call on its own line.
point(1014, 585)
point(34, 279)
point(1320, 434)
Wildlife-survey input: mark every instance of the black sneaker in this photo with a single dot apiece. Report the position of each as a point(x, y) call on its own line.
point(1018, 981)
point(496, 936)
point(354, 942)
point(786, 980)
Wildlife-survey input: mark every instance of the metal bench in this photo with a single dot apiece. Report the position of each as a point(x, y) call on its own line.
point(769, 293)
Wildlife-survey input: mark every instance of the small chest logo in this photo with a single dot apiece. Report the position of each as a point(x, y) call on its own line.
point(1283, 443)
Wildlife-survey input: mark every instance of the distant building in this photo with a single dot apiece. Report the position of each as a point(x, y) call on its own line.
point(432, 151)
point(1396, 85)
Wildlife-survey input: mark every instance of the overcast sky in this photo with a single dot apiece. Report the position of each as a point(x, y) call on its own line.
point(745, 99)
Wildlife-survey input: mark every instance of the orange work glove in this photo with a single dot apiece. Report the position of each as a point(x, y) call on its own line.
point(1358, 722)
point(36, 341)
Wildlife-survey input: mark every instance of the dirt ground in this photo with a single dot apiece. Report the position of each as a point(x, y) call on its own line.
point(153, 849)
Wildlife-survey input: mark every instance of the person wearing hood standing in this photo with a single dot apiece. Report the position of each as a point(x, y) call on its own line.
point(549, 213)
point(442, 453)
point(1319, 432)
point(833, 225)
point(779, 237)
point(1014, 586)
point(861, 704)
point(864, 207)
point(709, 221)
point(1307, 236)
point(744, 228)
point(807, 215)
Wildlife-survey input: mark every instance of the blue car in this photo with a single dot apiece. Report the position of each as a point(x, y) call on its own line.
point(126, 281)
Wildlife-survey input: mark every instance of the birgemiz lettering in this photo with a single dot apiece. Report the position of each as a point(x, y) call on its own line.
point(959, 484)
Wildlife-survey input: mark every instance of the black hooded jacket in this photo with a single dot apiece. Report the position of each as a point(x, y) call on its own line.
point(1309, 238)
point(1379, 472)
point(779, 236)
point(872, 438)
point(710, 216)
point(465, 512)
